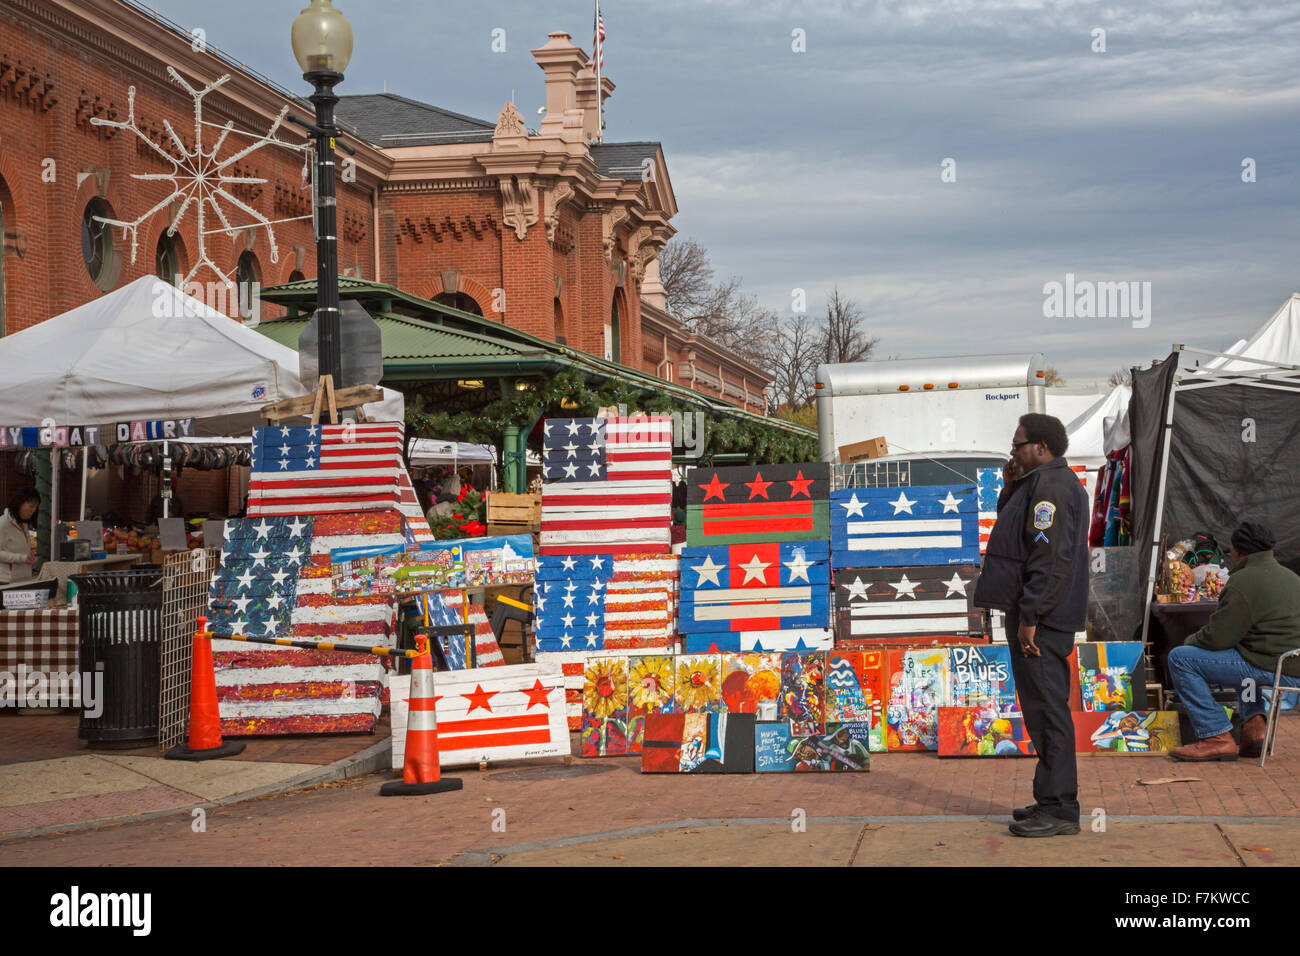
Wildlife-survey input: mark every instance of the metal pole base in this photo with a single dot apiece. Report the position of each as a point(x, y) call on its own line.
point(400, 788)
point(227, 749)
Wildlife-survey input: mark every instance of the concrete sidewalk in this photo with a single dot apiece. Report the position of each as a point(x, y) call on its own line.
point(51, 782)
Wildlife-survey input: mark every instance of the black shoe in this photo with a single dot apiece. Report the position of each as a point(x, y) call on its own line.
point(1024, 813)
point(1044, 825)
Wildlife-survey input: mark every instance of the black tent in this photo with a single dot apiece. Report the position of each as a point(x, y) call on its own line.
point(1213, 448)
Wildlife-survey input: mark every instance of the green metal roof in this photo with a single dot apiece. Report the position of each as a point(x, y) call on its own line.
point(442, 343)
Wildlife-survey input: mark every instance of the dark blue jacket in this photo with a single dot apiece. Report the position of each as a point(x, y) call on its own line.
point(1037, 557)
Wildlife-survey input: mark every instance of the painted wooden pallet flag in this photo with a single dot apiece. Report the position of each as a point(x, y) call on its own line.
point(892, 605)
point(763, 586)
point(514, 712)
point(275, 581)
point(916, 525)
point(757, 503)
point(605, 601)
point(989, 484)
point(409, 505)
point(609, 485)
point(759, 642)
point(982, 732)
point(313, 469)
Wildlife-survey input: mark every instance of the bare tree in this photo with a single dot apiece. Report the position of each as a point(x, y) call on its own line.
point(844, 337)
point(1052, 377)
point(1123, 376)
point(792, 362)
point(720, 312)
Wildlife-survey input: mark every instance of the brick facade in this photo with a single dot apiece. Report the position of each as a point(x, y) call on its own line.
point(524, 224)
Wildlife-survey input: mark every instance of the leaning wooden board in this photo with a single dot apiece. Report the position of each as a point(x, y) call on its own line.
point(747, 504)
point(510, 712)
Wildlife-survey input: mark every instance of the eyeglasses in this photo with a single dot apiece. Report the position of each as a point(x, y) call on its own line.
point(1017, 445)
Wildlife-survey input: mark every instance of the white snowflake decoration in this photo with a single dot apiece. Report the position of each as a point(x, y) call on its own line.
point(199, 178)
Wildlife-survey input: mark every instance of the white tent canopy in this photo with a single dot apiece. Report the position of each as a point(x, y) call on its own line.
point(426, 452)
point(148, 351)
point(1092, 434)
point(1278, 341)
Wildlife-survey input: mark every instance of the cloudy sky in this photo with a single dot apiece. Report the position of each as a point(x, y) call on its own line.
point(806, 170)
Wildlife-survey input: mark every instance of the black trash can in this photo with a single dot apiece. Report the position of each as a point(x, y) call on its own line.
point(121, 633)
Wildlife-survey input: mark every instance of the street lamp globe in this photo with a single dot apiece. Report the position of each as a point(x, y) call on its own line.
point(322, 39)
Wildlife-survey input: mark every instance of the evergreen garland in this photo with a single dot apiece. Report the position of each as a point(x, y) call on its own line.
point(723, 434)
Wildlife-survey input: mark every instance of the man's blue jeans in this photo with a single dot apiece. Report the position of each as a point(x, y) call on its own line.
point(1194, 669)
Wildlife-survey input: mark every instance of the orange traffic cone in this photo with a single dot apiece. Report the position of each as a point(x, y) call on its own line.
point(420, 771)
point(205, 720)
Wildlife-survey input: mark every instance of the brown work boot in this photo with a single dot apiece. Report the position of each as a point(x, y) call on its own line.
point(1219, 747)
point(1252, 736)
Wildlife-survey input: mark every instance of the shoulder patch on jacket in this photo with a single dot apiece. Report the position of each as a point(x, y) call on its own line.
point(1044, 512)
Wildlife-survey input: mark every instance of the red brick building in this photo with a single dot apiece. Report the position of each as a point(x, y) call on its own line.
point(544, 230)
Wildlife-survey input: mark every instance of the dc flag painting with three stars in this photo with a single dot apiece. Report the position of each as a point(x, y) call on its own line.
point(747, 504)
point(900, 527)
point(755, 587)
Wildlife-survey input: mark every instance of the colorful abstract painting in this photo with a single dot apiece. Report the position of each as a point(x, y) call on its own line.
point(1108, 674)
point(982, 732)
point(842, 747)
point(1126, 731)
point(605, 707)
point(855, 691)
point(803, 685)
point(650, 691)
point(699, 683)
point(981, 677)
point(698, 743)
point(748, 680)
point(919, 682)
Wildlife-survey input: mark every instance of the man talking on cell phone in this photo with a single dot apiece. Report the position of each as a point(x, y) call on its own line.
point(1036, 571)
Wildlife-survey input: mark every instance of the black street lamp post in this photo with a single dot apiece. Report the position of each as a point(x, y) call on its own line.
point(322, 42)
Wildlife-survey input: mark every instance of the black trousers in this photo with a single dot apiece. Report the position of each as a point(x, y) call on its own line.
point(1043, 686)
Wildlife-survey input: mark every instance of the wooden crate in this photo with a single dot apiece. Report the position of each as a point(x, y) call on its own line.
point(522, 511)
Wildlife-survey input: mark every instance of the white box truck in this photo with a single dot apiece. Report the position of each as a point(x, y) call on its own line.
point(942, 418)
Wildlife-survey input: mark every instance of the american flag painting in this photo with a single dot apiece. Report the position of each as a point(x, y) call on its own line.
point(906, 526)
point(767, 586)
point(604, 601)
point(989, 483)
point(312, 469)
point(274, 581)
point(514, 712)
point(757, 503)
point(900, 604)
point(609, 485)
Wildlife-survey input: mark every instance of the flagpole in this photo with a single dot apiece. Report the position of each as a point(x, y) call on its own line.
point(600, 104)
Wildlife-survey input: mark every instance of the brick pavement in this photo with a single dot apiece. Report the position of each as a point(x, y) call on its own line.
point(547, 800)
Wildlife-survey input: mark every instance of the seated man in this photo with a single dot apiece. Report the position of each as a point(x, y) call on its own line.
point(1258, 619)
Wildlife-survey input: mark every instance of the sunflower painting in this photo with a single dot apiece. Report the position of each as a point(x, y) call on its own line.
point(605, 707)
point(650, 691)
point(699, 683)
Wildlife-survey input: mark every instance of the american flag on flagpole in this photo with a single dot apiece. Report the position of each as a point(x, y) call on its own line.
point(314, 469)
point(609, 485)
point(598, 37)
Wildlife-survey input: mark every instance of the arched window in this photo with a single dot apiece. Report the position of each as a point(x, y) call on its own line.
point(614, 335)
point(296, 275)
point(248, 278)
point(561, 337)
point(97, 250)
point(167, 259)
point(458, 300)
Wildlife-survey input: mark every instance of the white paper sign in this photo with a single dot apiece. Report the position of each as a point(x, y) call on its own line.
point(172, 533)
